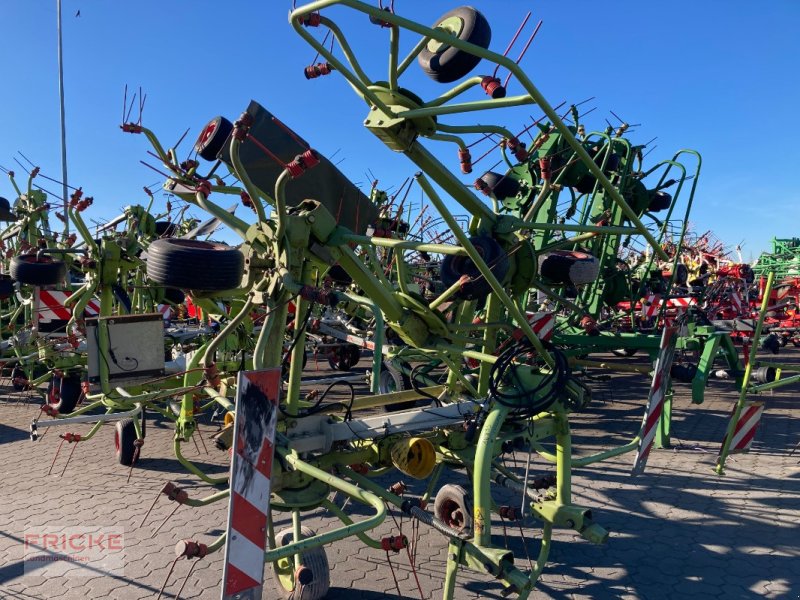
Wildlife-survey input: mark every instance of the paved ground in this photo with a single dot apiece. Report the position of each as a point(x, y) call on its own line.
point(678, 531)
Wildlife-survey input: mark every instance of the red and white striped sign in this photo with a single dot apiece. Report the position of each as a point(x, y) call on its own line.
point(650, 306)
point(682, 302)
point(251, 469)
point(655, 400)
point(50, 306)
point(166, 311)
point(542, 324)
point(746, 427)
point(736, 300)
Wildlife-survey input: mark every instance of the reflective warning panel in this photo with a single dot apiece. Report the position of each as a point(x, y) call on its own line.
point(251, 469)
point(655, 400)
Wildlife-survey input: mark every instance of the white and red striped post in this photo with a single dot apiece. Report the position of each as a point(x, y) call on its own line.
point(51, 311)
point(656, 398)
point(744, 431)
point(650, 306)
point(543, 324)
point(251, 469)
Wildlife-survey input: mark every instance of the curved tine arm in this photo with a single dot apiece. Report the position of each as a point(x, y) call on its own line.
point(241, 175)
point(162, 154)
point(189, 466)
point(14, 183)
point(83, 296)
point(359, 82)
point(229, 328)
point(80, 225)
point(459, 129)
point(355, 492)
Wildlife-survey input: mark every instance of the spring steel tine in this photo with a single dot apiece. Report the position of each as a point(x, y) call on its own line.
point(130, 109)
point(149, 510)
point(68, 459)
point(136, 452)
point(26, 158)
point(124, 102)
point(177, 596)
point(200, 435)
point(172, 567)
point(24, 170)
point(524, 50)
point(178, 143)
point(141, 105)
point(195, 442)
point(513, 40)
point(168, 517)
point(56, 456)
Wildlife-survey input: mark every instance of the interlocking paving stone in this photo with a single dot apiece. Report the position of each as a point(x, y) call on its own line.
point(678, 530)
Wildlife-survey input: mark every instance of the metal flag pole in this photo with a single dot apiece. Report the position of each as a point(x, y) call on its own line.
point(64, 192)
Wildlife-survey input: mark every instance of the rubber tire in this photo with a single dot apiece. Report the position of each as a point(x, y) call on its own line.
point(64, 394)
point(166, 229)
point(349, 358)
point(659, 200)
point(391, 380)
point(501, 185)
point(26, 268)
point(451, 498)
point(5, 210)
point(555, 266)
point(285, 365)
point(449, 64)
point(213, 137)
point(624, 352)
point(194, 265)
point(6, 287)
point(315, 559)
point(174, 295)
point(16, 372)
point(124, 437)
point(337, 274)
point(454, 266)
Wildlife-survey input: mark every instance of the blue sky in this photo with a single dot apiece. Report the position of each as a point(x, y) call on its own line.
point(717, 76)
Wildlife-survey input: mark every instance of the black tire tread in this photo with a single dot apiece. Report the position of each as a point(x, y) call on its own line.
point(194, 265)
point(26, 268)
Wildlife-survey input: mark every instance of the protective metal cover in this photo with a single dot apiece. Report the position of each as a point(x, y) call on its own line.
point(324, 182)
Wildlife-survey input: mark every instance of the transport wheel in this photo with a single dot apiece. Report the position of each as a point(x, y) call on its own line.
point(64, 393)
point(563, 266)
point(213, 137)
point(18, 379)
point(27, 268)
point(659, 201)
point(391, 380)
point(6, 214)
point(771, 343)
point(445, 63)
point(6, 287)
point(124, 438)
point(166, 229)
point(453, 507)
point(624, 352)
point(456, 266)
point(345, 357)
point(313, 579)
point(194, 265)
point(503, 187)
point(174, 295)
